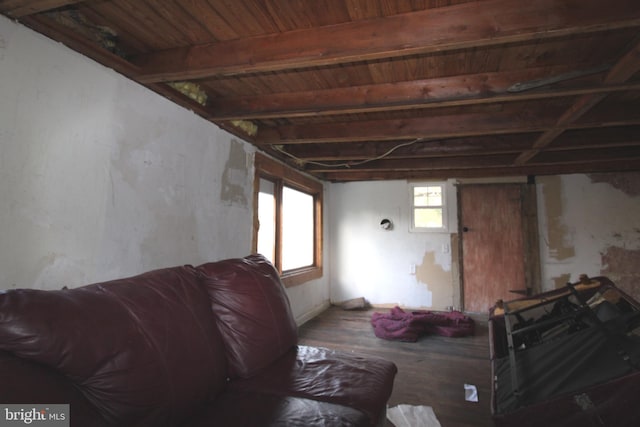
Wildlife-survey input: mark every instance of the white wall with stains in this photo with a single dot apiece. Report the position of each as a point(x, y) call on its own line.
point(590, 224)
point(388, 267)
point(587, 224)
point(101, 178)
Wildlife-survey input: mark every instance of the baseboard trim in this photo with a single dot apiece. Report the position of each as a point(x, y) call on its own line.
point(302, 319)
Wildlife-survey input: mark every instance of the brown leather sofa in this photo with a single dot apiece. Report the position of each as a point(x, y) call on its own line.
point(214, 345)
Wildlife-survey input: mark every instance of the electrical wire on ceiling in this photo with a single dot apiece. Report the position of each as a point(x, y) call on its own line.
point(302, 162)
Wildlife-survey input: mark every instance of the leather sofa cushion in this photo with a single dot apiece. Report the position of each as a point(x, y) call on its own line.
point(363, 382)
point(23, 381)
point(237, 408)
point(142, 350)
point(252, 310)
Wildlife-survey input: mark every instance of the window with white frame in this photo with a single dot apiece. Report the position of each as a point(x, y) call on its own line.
point(428, 206)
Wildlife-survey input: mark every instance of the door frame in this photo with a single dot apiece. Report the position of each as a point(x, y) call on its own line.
point(530, 235)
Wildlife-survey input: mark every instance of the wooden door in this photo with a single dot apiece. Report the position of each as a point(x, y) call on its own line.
point(496, 264)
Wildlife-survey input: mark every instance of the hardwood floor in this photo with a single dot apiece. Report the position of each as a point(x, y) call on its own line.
point(431, 372)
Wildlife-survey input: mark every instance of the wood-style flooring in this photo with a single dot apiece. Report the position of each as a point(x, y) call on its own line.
point(431, 372)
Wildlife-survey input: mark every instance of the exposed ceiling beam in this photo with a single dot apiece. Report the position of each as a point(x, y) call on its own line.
point(354, 99)
point(432, 93)
point(340, 152)
point(624, 69)
point(468, 25)
point(484, 161)
point(20, 8)
point(474, 146)
point(432, 127)
point(617, 165)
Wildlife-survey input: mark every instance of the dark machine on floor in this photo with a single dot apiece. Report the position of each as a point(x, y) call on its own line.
point(567, 357)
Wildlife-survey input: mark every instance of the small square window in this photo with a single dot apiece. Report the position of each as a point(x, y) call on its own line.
point(428, 207)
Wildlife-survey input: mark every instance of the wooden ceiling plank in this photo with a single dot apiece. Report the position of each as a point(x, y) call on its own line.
point(19, 8)
point(456, 162)
point(624, 69)
point(467, 25)
point(431, 127)
point(573, 140)
point(589, 155)
point(483, 161)
point(597, 137)
point(433, 93)
point(216, 25)
point(424, 127)
point(420, 149)
point(617, 165)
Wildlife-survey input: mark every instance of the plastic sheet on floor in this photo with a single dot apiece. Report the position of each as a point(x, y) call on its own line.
point(412, 416)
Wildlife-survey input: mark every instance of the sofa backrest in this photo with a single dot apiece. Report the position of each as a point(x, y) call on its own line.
point(252, 311)
point(143, 350)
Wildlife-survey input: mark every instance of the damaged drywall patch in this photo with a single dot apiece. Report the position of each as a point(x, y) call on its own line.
point(561, 281)
point(621, 266)
point(627, 182)
point(557, 231)
point(437, 279)
point(235, 176)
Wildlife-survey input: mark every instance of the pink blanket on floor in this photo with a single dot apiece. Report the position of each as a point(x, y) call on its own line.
point(400, 325)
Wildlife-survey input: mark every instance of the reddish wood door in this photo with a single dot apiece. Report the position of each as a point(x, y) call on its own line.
point(493, 258)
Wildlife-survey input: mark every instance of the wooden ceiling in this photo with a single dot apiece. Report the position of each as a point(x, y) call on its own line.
point(380, 89)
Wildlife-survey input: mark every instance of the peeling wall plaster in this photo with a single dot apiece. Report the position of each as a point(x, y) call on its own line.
point(622, 265)
point(628, 182)
point(437, 280)
point(235, 176)
point(387, 267)
point(102, 178)
point(596, 216)
point(586, 225)
point(560, 281)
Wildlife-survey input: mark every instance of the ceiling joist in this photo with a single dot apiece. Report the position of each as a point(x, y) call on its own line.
point(463, 26)
point(383, 89)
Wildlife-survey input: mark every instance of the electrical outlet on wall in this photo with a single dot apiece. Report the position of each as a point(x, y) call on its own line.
point(412, 269)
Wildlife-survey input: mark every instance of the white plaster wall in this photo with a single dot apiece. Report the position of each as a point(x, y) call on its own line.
point(101, 178)
point(580, 222)
point(369, 262)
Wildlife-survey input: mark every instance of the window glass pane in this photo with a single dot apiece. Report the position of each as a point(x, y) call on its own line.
point(428, 218)
point(427, 196)
point(267, 220)
point(297, 229)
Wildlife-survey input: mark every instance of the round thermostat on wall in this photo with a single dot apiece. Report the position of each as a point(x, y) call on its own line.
point(386, 224)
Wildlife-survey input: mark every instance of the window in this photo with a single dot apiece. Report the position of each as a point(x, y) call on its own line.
point(288, 220)
point(267, 219)
point(428, 207)
point(297, 229)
